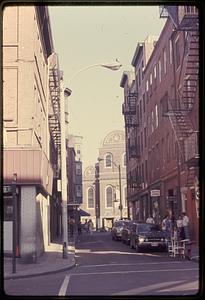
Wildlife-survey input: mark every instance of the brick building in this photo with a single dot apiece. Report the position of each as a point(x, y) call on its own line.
point(31, 81)
point(162, 121)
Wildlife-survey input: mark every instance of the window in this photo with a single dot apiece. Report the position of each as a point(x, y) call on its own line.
point(146, 170)
point(155, 72)
point(78, 169)
point(156, 116)
point(147, 86)
point(140, 109)
point(108, 160)
point(160, 71)
point(150, 79)
point(90, 198)
point(177, 53)
point(165, 61)
point(168, 146)
point(141, 140)
point(145, 137)
point(143, 172)
point(109, 196)
point(144, 103)
point(142, 69)
point(170, 51)
point(78, 190)
point(152, 121)
point(139, 77)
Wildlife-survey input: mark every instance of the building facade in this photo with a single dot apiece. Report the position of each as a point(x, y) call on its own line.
point(162, 122)
point(104, 185)
point(31, 126)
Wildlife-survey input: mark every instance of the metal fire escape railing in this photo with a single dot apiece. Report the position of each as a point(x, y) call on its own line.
point(54, 117)
point(131, 121)
point(129, 111)
point(187, 86)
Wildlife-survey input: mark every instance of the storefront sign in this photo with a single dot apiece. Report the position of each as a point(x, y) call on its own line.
point(155, 193)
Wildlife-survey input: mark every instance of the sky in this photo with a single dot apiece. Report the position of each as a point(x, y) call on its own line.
point(87, 35)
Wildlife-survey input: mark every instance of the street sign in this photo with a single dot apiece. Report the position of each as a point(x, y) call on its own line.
point(155, 193)
point(7, 189)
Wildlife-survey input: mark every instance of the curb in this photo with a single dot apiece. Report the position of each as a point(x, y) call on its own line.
point(7, 277)
point(195, 258)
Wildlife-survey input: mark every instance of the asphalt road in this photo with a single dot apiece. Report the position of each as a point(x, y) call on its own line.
point(107, 267)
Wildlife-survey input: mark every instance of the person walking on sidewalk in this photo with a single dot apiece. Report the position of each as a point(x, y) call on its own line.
point(185, 222)
point(166, 226)
point(180, 228)
point(90, 226)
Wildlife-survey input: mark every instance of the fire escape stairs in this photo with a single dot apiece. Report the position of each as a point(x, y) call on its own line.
point(187, 92)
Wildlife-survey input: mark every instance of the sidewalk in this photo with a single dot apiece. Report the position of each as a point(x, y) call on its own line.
point(50, 262)
point(195, 252)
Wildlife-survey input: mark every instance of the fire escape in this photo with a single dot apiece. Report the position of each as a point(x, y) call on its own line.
point(54, 114)
point(185, 18)
point(131, 124)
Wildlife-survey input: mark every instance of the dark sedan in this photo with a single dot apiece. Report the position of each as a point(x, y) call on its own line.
point(147, 236)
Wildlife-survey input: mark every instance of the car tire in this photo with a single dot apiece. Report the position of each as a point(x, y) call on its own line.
point(137, 248)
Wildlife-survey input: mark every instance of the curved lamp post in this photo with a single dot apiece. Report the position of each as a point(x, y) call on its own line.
point(113, 66)
point(120, 183)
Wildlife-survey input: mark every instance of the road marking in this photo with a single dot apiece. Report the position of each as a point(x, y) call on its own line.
point(148, 288)
point(134, 271)
point(64, 286)
point(115, 263)
point(189, 286)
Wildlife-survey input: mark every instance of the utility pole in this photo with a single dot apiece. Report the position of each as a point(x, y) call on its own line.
point(64, 94)
point(14, 222)
point(120, 190)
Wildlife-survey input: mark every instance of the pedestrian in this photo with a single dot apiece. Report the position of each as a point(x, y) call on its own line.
point(71, 225)
point(180, 228)
point(86, 226)
point(90, 226)
point(166, 226)
point(79, 228)
point(150, 220)
point(185, 222)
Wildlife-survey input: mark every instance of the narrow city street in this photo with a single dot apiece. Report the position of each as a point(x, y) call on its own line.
point(107, 267)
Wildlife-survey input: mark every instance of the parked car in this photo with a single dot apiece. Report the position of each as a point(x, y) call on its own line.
point(126, 231)
point(147, 236)
point(116, 231)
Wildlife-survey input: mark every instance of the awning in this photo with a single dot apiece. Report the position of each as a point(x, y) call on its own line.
point(83, 213)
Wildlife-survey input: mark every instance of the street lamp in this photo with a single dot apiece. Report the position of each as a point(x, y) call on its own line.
point(120, 183)
point(113, 66)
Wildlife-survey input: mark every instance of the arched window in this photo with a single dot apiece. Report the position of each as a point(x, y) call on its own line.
point(108, 160)
point(109, 197)
point(90, 198)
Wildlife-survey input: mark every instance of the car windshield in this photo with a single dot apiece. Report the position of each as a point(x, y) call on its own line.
point(148, 228)
point(119, 224)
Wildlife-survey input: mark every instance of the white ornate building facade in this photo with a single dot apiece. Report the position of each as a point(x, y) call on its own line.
point(101, 195)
